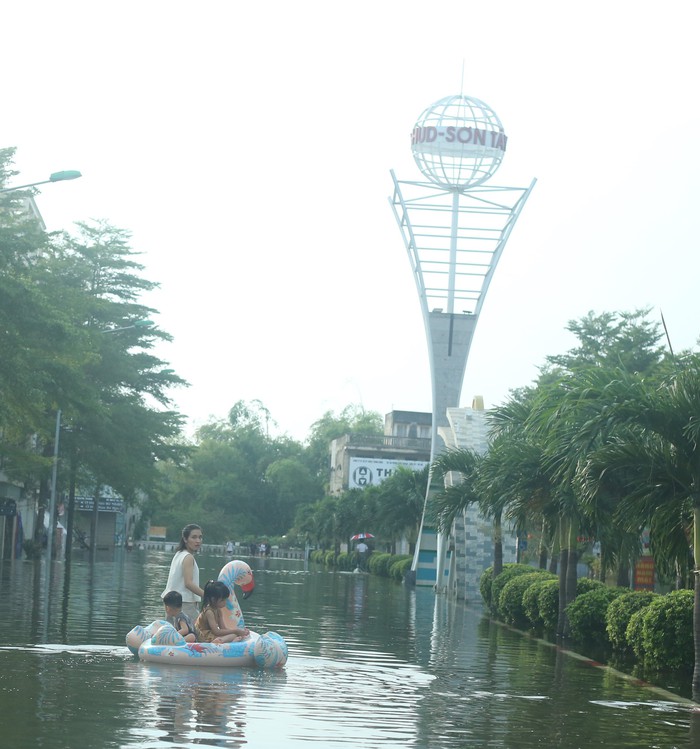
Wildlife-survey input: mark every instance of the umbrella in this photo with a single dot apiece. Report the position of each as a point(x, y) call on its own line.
point(359, 536)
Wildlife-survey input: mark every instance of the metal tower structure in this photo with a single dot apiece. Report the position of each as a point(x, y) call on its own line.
point(454, 228)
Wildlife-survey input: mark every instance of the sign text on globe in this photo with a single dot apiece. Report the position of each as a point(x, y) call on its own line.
point(465, 135)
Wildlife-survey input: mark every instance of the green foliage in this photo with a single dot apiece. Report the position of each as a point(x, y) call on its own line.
point(634, 634)
point(400, 565)
point(454, 496)
point(379, 564)
point(399, 506)
point(620, 612)
point(318, 556)
point(68, 307)
point(548, 604)
point(352, 420)
point(345, 561)
point(485, 584)
point(613, 339)
point(241, 481)
point(510, 603)
point(394, 566)
point(587, 584)
point(587, 614)
point(667, 631)
point(499, 582)
point(531, 605)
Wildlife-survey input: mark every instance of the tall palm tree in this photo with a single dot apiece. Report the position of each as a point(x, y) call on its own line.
point(656, 447)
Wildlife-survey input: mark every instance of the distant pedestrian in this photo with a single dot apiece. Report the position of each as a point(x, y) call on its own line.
point(362, 553)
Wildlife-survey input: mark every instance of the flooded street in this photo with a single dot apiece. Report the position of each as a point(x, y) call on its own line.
point(371, 663)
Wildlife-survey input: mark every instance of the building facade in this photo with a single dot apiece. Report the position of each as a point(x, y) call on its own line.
point(358, 461)
point(471, 541)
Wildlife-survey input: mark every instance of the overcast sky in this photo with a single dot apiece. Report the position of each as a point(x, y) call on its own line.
point(247, 147)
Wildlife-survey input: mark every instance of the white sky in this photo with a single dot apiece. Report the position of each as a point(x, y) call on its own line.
point(247, 146)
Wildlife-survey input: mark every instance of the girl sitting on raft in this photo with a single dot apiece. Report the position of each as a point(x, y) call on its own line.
point(210, 622)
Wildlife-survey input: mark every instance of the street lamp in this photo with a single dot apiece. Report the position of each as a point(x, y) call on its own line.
point(55, 177)
point(135, 324)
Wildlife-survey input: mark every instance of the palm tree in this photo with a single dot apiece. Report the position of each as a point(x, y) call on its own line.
point(656, 446)
point(400, 504)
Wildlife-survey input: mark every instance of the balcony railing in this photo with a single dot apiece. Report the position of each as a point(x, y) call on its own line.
point(413, 443)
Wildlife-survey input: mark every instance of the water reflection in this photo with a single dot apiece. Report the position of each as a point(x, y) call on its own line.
point(371, 663)
point(199, 705)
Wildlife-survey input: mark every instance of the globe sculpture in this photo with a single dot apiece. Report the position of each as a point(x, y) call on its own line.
point(455, 228)
point(458, 142)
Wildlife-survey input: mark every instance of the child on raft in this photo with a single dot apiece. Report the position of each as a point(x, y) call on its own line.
point(209, 623)
point(176, 616)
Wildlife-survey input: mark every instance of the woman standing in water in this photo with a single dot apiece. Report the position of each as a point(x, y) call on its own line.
point(184, 573)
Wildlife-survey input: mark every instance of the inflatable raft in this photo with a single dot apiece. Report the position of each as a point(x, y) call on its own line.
point(160, 642)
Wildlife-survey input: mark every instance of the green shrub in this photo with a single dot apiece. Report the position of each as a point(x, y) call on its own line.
point(318, 556)
point(667, 631)
point(548, 604)
point(499, 582)
point(329, 558)
point(531, 605)
point(619, 614)
point(510, 604)
point(344, 561)
point(379, 564)
point(485, 582)
point(633, 633)
point(587, 584)
point(587, 614)
point(400, 565)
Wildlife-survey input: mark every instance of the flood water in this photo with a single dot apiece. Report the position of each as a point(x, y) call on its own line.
point(372, 664)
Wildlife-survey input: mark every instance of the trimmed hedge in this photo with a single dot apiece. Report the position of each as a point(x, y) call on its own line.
point(485, 582)
point(620, 612)
point(531, 605)
point(633, 634)
point(499, 582)
point(394, 566)
point(667, 631)
point(587, 584)
point(378, 564)
point(548, 604)
point(400, 565)
point(587, 614)
point(511, 602)
point(657, 628)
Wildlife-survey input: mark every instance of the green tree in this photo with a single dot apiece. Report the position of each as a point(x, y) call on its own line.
point(293, 485)
point(59, 298)
point(657, 448)
point(243, 481)
point(400, 503)
point(351, 420)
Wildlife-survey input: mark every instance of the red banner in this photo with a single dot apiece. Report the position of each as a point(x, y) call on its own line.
point(644, 574)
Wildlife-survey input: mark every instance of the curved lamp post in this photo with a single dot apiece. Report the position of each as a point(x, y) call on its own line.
point(55, 177)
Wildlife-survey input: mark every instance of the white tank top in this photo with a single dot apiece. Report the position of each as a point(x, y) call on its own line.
point(176, 578)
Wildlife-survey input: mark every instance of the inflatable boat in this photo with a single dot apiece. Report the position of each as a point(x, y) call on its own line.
point(160, 642)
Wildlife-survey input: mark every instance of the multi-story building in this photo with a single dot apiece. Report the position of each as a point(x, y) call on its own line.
point(471, 541)
point(358, 461)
